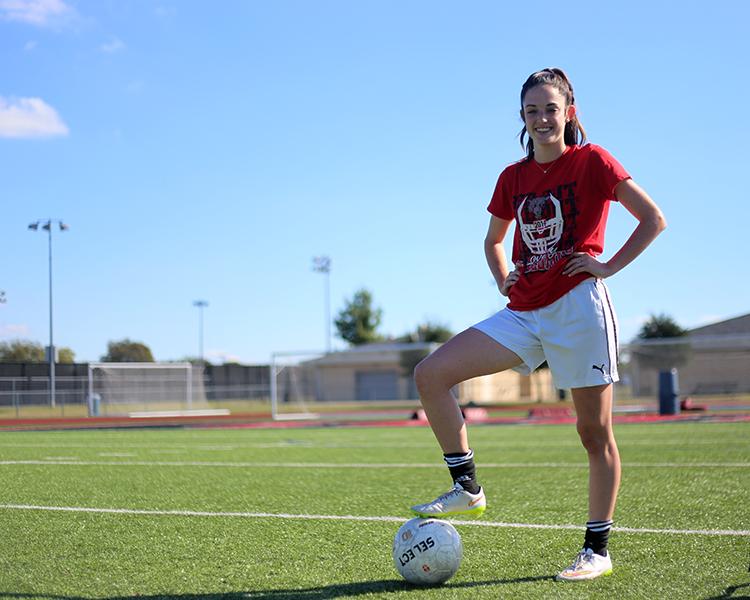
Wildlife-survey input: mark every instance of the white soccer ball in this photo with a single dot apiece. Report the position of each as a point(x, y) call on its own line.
point(427, 551)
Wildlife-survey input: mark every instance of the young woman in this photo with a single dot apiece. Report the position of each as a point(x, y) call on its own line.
point(559, 308)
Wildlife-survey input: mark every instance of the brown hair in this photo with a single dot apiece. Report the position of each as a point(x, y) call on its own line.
point(574, 132)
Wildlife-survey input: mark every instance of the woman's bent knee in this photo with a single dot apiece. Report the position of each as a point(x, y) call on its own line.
point(424, 375)
point(431, 377)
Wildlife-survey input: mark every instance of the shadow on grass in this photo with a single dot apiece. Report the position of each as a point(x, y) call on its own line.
point(342, 590)
point(729, 593)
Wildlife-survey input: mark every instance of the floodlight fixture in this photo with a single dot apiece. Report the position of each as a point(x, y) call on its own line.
point(47, 226)
point(322, 264)
point(200, 304)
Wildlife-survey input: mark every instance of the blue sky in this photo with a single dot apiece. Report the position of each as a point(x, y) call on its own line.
point(211, 150)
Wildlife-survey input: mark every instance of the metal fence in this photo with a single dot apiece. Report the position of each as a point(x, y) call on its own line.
point(19, 394)
point(30, 397)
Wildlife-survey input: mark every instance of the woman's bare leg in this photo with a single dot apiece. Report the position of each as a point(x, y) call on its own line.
point(469, 354)
point(594, 411)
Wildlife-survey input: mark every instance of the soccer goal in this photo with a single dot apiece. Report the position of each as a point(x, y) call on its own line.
point(295, 385)
point(144, 388)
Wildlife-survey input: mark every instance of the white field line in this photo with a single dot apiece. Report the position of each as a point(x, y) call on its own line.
point(303, 444)
point(317, 465)
point(387, 519)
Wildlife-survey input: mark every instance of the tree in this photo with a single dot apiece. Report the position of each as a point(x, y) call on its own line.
point(21, 351)
point(661, 353)
point(358, 321)
point(127, 351)
point(66, 355)
point(660, 326)
point(434, 332)
point(429, 331)
point(31, 352)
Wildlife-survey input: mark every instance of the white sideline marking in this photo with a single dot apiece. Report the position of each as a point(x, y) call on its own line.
point(292, 444)
point(308, 465)
point(150, 414)
point(264, 515)
point(116, 454)
point(55, 458)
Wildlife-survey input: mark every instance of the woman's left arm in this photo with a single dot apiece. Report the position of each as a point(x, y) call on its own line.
point(651, 223)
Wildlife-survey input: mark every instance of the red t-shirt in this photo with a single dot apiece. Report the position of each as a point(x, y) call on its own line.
point(556, 214)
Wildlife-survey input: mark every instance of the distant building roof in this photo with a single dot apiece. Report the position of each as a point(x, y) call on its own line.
point(385, 352)
point(736, 325)
point(730, 334)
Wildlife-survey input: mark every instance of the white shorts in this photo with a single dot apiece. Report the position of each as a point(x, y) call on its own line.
point(576, 335)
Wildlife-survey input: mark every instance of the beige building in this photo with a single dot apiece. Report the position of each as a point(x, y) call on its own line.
point(384, 372)
point(714, 359)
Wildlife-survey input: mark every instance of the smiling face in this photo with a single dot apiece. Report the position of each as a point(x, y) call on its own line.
point(545, 113)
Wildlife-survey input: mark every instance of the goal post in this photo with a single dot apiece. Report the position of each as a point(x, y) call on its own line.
point(295, 384)
point(116, 388)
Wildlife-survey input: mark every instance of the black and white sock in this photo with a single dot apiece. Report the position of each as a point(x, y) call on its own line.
point(463, 471)
point(597, 536)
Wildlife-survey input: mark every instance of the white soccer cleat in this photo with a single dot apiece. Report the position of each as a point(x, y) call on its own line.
point(587, 565)
point(456, 501)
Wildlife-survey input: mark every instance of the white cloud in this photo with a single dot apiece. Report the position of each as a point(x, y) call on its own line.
point(114, 45)
point(34, 12)
point(29, 118)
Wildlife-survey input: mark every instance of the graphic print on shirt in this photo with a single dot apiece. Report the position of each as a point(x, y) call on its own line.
point(546, 223)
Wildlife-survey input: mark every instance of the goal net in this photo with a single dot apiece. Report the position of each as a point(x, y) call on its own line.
point(295, 385)
point(120, 388)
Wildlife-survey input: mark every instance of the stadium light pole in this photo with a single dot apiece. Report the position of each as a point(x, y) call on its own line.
point(322, 264)
point(201, 304)
point(46, 225)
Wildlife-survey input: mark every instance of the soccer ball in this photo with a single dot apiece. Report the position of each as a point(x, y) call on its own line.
point(427, 551)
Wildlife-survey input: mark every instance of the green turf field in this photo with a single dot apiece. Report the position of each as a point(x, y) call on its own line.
point(283, 514)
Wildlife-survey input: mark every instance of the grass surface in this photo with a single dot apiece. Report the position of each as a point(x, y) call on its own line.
point(677, 476)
